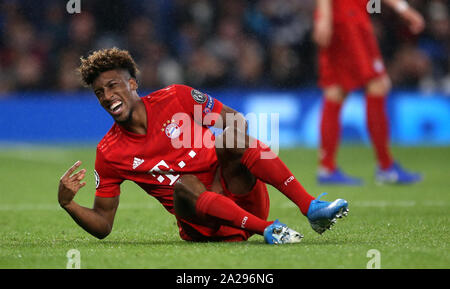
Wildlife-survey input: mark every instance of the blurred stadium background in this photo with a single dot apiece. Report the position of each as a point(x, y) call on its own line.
point(255, 56)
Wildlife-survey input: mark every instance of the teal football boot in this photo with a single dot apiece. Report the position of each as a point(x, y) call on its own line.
point(322, 215)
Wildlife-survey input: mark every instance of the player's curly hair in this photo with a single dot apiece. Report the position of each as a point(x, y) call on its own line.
point(104, 60)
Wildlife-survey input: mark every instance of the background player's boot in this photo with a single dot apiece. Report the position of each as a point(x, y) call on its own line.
point(279, 233)
point(396, 175)
point(322, 215)
point(337, 177)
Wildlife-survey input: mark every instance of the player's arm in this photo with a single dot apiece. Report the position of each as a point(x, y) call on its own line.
point(207, 111)
point(231, 117)
point(97, 221)
point(415, 21)
point(323, 28)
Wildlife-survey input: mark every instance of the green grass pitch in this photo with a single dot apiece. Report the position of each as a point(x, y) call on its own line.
point(408, 225)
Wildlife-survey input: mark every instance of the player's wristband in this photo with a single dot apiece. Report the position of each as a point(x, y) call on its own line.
point(401, 6)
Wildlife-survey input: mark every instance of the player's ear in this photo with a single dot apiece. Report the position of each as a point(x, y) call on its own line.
point(133, 83)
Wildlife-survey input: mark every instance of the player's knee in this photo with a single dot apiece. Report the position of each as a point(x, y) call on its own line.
point(188, 187)
point(185, 195)
point(335, 93)
point(379, 86)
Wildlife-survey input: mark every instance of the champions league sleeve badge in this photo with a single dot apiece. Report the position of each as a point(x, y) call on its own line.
point(198, 96)
point(201, 98)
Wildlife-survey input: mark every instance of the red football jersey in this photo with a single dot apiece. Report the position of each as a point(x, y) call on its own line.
point(176, 143)
point(352, 11)
point(353, 57)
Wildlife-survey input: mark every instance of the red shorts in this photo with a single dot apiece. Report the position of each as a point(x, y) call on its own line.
point(255, 202)
point(352, 59)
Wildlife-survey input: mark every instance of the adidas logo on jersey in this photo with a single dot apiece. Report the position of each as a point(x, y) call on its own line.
point(137, 162)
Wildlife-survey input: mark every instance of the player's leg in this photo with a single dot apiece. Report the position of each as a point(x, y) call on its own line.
point(193, 202)
point(248, 159)
point(377, 122)
point(330, 126)
point(330, 133)
point(266, 166)
point(244, 164)
point(378, 126)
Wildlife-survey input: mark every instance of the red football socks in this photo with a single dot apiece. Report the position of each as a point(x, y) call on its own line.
point(215, 205)
point(330, 132)
point(267, 166)
point(377, 123)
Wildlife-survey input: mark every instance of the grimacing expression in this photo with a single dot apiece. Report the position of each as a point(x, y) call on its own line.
point(115, 92)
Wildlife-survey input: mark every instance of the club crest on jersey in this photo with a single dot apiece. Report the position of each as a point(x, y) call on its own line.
point(172, 129)
point(198, 96)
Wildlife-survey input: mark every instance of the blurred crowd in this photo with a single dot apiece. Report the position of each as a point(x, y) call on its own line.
point(204, 43)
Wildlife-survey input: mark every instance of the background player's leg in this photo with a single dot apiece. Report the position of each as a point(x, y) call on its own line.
point(388, 170)
point(192, 201)
point(330, 126)
point(249, 159)
point(377, 120)
point(330, 133)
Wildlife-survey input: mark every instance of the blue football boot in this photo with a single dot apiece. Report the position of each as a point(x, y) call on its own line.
point(322, 215)
point(278, 233)
point(396, 175)
point(337, 177)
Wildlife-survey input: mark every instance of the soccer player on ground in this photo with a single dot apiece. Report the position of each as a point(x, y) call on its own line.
point(216, 191)
point(349, 58)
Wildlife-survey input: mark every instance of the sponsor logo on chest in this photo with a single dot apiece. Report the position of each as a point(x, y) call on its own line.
point(166, 173)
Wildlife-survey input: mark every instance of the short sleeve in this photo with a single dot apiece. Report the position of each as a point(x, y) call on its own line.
point(197, 102)
point(107, 181)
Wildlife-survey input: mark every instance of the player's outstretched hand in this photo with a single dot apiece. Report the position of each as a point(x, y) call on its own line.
point(415, 21)
point(70, 184)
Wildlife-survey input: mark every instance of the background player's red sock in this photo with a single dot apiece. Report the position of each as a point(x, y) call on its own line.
point(330, 131)
point(223, 208)
point(378, 127)
point(273, 171)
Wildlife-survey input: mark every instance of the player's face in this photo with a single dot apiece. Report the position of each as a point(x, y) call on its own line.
point(116, 92)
